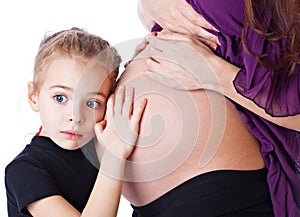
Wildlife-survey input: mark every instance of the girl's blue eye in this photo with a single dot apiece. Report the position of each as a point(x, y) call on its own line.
point(60, 98)
point(92, 104)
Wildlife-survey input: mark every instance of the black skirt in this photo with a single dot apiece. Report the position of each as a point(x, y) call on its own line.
point(225, 193)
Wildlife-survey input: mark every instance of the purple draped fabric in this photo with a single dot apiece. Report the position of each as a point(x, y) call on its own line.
point(271, 90)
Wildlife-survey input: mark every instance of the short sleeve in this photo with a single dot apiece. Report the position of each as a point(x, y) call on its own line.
point(274, 90)
point(26, 181)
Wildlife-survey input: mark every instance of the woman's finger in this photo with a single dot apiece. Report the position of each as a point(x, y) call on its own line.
point(171, 50)
point(172, 36)
point(213, 46)
point(153, 65)
point(141, 46)
point(196, 18)
point(212, 42)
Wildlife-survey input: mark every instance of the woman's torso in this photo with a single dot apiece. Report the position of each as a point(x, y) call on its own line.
point(183, 134)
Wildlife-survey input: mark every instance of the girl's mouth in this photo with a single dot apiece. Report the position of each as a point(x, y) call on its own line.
point(74, 135)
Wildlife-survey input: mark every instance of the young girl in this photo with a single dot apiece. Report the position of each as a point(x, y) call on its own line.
point(74, 75)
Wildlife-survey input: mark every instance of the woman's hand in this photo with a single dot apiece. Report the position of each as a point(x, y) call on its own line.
point(176, 16)
point(139, 48)
point(119, 131)
point(180, 61)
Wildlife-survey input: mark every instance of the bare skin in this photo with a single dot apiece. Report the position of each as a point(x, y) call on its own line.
point(183, 134)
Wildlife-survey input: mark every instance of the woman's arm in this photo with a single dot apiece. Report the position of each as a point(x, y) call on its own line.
point(118, 134)
point(192, 65)
point(227, 74)
point(145, 18)
point(176, 16)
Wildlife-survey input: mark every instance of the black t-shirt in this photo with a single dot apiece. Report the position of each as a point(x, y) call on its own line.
point(44, 169)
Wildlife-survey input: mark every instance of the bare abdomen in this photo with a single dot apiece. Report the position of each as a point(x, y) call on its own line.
point(183, 134)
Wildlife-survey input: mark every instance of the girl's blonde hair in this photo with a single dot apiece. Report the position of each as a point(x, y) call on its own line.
point(79, 44)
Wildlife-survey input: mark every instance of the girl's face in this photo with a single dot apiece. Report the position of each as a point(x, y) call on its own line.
point(71, 99)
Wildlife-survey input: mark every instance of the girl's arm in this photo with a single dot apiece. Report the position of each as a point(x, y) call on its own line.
point(118, 135)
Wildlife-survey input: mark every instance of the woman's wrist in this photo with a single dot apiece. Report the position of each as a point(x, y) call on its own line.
point(145, 18)
point(225, 73)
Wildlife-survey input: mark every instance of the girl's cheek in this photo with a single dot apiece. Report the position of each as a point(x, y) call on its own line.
point(99, 115)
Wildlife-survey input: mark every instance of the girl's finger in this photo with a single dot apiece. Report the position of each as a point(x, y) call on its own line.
point(110, 107)
point(128, 101)
point(99, 128)
point(119, 100)
point(138, 112)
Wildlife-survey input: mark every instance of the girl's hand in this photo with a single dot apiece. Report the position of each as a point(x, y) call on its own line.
point(180, 61)
point(119, 131)
point(177, 16)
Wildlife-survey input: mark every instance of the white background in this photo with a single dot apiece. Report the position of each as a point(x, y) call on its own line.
point(23, 25)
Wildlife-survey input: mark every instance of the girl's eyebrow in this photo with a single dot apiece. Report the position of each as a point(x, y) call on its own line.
point(61, 86)
point(97, 93)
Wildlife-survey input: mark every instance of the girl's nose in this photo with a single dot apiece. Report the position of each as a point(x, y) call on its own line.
point(76, 120)
point(76, 116)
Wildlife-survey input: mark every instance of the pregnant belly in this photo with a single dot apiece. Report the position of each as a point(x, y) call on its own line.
point(182, 134)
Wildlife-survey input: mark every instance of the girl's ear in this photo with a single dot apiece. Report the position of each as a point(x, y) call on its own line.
point(32, 96)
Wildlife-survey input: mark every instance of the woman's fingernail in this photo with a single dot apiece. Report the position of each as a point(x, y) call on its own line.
point(120, 88)
point(154, 33)
point(215, 29)
point(146, 71)
point(147, 61)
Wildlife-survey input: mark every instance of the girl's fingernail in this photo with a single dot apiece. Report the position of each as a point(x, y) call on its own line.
point(154, 33)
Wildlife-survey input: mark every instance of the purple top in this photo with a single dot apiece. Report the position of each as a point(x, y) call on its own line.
point(271, 90)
